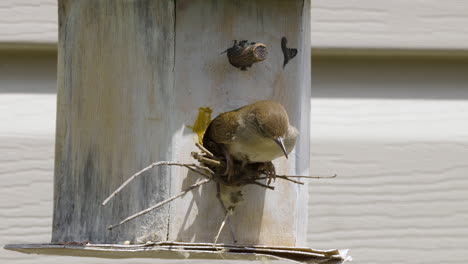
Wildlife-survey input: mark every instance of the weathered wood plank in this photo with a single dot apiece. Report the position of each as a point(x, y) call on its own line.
point(115, 82)
point(204, 77)
point(174, 250)
point(130, 84)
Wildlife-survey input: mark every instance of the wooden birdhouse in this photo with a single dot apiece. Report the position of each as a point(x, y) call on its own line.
point(132, 76)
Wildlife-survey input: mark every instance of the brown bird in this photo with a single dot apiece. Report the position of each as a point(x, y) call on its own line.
point(256, 133)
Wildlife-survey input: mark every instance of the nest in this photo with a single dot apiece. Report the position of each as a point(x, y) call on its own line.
point(252, 173)
point(212, 169)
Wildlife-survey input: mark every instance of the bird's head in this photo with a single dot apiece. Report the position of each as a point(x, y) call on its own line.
point(273, 122)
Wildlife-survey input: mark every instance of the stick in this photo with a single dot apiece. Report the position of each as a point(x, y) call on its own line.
point(204, 168)
point(308, 177)
point(226, 215)
point(231, 227)
point(291, 180)
point(191, 187)
point(210, 161)
point(263, 185)
point(204, 150)
point(199, 172)
point(205, 160)
point(281, 177)
point(159, 163)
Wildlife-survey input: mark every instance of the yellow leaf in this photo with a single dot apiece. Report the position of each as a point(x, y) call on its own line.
point(202, 122)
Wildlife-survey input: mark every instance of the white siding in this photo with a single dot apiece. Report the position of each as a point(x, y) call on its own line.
point(28, 21)
point(396, 133)
point(398, 24)
point(395, 130)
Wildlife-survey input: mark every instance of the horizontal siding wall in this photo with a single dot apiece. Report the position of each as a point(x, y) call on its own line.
point(28, 22)
point(395, 130)
point(27, 112)
point(396, 24)
point(349, 24)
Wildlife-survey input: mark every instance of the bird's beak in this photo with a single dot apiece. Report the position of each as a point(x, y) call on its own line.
point(280, 142)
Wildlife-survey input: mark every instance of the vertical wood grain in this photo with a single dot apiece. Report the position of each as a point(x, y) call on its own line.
point(115, 87)
point(204, 77)
point(132, 75)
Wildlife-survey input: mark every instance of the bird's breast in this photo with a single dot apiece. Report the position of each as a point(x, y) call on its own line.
point(252, 146)
point(255, 149)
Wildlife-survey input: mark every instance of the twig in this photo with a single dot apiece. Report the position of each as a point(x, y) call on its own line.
point(263, 185)
point(283, 178)
point(204, 150)
point(159, 163)
point(287, 178)
point(199, 172)
point(191, 187)
point(205, 160)
point(204, 168)
point(225, 210)
point(226, 215)
point(308, 177)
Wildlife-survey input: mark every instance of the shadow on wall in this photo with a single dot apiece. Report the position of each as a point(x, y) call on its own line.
point(28, 72)
point(363, 76)
point(389, 77)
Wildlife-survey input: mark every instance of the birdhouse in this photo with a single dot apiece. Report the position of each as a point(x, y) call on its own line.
point(132, 76)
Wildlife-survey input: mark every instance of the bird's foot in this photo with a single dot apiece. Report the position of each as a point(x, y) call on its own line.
point(269, 170)
point(230, 170)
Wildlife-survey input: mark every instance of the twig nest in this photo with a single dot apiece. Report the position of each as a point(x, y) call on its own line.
point(250, 173)
point(244, 54)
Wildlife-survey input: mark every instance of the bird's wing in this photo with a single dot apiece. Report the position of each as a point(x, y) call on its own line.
point(222, 129)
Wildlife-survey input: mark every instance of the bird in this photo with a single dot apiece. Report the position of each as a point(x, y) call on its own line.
point(256, 133)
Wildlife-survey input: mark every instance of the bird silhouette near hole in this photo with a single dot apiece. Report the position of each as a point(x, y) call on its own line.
point(244, 54)
point(288, 53)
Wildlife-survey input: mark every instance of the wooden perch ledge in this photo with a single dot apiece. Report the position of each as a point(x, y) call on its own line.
point(176, 250)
